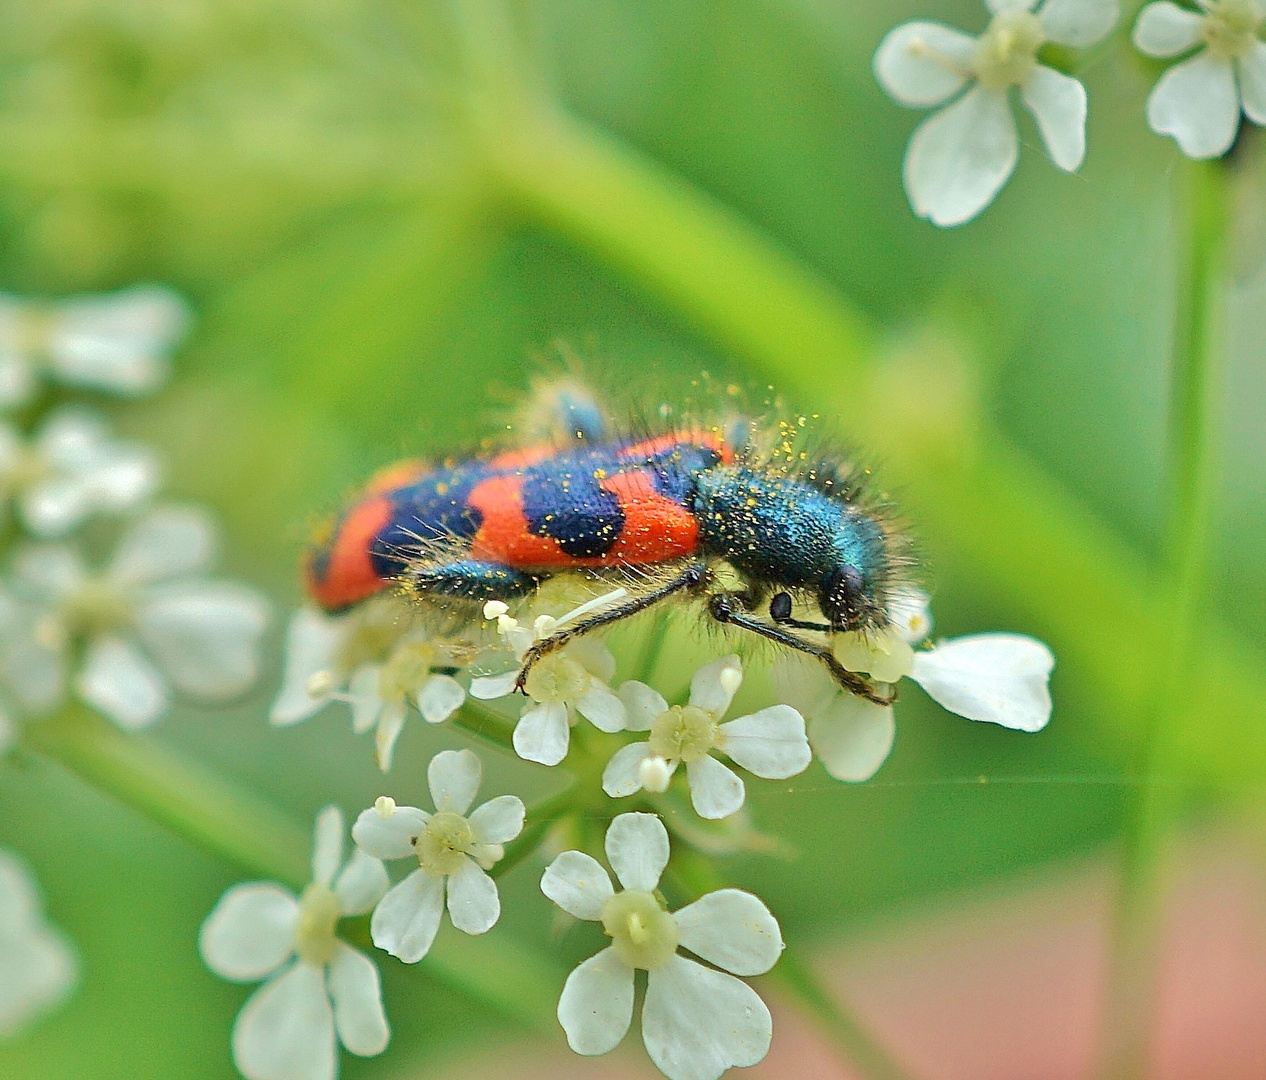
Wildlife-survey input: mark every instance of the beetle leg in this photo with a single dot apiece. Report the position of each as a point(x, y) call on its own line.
point(726, 608)
point(693, 577)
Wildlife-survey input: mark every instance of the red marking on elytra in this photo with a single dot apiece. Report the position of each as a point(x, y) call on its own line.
point(655, 527)
point(394, 477)
point(349, 574)
point(503, 534)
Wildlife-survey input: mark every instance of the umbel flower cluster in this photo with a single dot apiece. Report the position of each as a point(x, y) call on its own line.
point(384, 660)
point(122, 637)
point(960, 157)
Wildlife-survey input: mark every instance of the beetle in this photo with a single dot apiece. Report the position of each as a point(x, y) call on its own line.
point(670, 509)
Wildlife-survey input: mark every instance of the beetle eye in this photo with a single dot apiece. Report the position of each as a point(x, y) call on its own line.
point(842, 596)
point(780, 607)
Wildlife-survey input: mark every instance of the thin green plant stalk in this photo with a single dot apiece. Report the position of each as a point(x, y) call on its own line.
point(222, 819)
point(1128, 1027)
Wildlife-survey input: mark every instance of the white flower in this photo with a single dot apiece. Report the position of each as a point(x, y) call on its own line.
point(770, 743)
point(118, 342)
point(696, 1021)
point(1198, 102)
point(561, 684)
point(72, 469)
point(317, 985)
point(960, 157)
point(149, 622)
point(37, 967)
point(370, 659)
point(998, 678)
point(452, 849)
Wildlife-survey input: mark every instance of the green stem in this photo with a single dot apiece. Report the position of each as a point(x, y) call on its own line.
point(1154, 807)
point(182, 796)
point(217, 816)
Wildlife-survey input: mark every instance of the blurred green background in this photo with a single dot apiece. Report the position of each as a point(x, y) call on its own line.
point(364, 290)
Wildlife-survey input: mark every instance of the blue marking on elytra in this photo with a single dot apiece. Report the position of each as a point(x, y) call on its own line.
point(434, 507)
point(563, 500)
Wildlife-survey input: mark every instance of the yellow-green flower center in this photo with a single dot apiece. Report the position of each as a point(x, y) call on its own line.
point(684, 733)
point(95, 607)
point(28, 468)
point(1007, 52)
point(408, 667)
point(314, 931)
point(444, 843)
point(642, 933)
point(1230, 28)
point(557, 677)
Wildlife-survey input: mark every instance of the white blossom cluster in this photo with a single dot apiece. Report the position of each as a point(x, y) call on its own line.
point(699, 1018)
point(151, 622)
point(123, 638)
point(960, 157)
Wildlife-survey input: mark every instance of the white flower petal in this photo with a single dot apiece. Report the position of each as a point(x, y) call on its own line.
point(34, 672)
point(1165, 29)
point(54, 507)
point(491, 687)
point(360, 884)
point(17, 378)
point(38, 966)
point(714, 685)
point(286, 1030)
point(802, 683)
point(770, 743)
point(853, 738)
point(364, 699)
point(390, 724)
point(327, 845)
point(118, 342)
point(1253, 83)
point(357, 995)
point(312, 640)
point(205, 635)
point(637, 849)
point(715, 791)
point(250, 932)
point(642, 704)
point(578, 884)
point(439, 698)
point(166, 543)
point(1059, 105)
point(596, 1005)
point(389, 837)
point(542, 734)
point(499, 820)
point(622, 776)
point(47, 571)
point(593, 656)
point(39, 971)
point(124, 476)
point(960, 157)
point(1198, 104)
point(731, 929)
point(1000, 678)
point(406, 919)
point(473, 903)
point(924, 63)
point(120, 682)
point(697, 1022)
point(601, 708)
point(453, 777)
point(1078, 23)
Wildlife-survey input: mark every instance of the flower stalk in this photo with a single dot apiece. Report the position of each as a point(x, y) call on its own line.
point(1192, 440)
